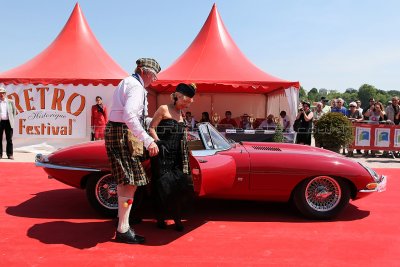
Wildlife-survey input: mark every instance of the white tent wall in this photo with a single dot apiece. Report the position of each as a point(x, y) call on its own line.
point(58, 106)
point(238, 104)
point(286, 100)
point(276, 103)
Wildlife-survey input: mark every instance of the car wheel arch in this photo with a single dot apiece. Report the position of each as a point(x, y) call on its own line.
point(353, 189)
point(350, 189)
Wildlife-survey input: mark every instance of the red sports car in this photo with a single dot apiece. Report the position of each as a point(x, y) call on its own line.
point(320, 183)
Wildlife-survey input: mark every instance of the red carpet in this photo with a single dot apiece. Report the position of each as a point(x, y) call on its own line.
point(46, 223)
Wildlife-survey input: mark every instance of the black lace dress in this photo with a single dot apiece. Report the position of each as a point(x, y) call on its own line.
point(172, 185)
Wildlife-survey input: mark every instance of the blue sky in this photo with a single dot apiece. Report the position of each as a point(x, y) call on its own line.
point(323, 44)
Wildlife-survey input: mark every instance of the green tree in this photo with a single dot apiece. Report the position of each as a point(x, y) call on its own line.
point(313, 94)
point(302, 93)
point(278, 135)
point(393, 93)
point(351, 90)
point(365, 92)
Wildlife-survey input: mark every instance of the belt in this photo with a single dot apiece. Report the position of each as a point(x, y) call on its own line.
point(115, 123)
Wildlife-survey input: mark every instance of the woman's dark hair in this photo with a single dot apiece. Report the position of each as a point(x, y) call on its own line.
point(205, 116)
point(99, 97)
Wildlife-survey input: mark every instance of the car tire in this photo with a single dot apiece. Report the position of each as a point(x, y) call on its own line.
point(101, 191)
point(321, 197)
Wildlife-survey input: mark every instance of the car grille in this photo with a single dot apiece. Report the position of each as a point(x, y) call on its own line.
point(267, 148)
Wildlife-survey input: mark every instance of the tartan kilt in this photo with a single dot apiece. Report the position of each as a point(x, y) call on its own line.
point(125, 168)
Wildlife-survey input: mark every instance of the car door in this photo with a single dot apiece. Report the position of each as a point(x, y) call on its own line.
point(212, 173)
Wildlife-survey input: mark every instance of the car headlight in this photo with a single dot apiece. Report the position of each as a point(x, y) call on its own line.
point(371, 172)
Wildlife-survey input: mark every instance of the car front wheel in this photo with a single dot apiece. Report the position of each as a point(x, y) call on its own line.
point(321, 197)
point(101, 191)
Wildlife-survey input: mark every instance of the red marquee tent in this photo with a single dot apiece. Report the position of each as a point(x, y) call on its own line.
point(74, 69)
point(215, 63)
point(75, 57)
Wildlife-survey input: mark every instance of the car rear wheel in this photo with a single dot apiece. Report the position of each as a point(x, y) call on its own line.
point(321, 197)
point(101, 191)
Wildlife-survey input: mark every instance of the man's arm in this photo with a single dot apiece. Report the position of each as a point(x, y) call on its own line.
point(134, 101)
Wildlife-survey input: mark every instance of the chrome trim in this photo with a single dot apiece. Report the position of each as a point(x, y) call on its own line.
point(380, 188)
point(59, 167)
point(203, 153)
point(371, 172)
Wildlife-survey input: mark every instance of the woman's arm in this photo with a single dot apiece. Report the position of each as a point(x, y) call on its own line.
point(158, 116)
point(368, 113)
point(309, 116)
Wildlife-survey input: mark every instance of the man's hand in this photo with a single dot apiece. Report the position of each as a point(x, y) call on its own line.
point(153, 149)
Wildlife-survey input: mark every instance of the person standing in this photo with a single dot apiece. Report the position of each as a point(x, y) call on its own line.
point(305, 116)
point(359, 108)
point(325, 107)
point(129, 107)
point(392, 110)
point(7, 114)
point(339, 107)
point(317, 114)
point(354, 115)
point(171, 180)
point(99, 119)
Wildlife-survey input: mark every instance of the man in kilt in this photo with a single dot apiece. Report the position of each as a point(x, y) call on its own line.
point(129, 106)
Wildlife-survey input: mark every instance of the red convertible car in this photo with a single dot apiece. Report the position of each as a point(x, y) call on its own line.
point(320, 183)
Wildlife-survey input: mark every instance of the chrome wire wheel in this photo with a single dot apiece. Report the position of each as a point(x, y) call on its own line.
point(106, 192)
point(323, 193)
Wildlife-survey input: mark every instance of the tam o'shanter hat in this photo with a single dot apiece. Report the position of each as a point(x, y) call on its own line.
point(149, 63)
point(3, 90)
point(188, 90)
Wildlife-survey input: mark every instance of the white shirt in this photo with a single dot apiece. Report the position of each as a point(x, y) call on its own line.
point(3, 110)
point(127, 106)
point(285, 122)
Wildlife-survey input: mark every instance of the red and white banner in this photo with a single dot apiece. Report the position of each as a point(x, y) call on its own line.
point(376, 136)
point(49, 111)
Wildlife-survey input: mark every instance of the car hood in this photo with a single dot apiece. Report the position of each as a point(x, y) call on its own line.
point(257, 147)
point(84, 155)
point(282, 157)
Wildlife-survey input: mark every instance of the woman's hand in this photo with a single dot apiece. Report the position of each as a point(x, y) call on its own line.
point(153, 149)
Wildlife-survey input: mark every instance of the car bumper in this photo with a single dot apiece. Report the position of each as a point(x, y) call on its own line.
point(381, 186)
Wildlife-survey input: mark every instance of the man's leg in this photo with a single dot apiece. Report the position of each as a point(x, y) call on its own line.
point(125, 199)
point(1, 138)
point(125, 195)
point(9, 135)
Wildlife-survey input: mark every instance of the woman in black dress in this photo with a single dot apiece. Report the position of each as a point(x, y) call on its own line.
point(305, 116)
point(171, 180)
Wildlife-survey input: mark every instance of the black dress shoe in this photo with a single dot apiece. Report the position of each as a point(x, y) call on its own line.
point(10, 157)
point(129, 238)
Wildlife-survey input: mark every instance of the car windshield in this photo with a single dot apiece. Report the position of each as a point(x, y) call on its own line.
point(212, 139)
